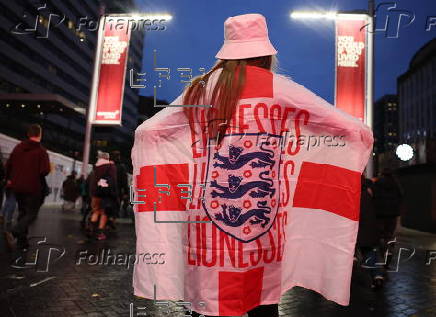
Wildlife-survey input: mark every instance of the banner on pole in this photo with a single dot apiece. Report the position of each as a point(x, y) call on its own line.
point(112, 62)
point(351, 53)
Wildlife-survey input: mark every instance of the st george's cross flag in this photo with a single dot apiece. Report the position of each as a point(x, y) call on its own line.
point(232, 226)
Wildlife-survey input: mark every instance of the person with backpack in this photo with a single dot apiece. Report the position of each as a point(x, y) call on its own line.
point(103, 192)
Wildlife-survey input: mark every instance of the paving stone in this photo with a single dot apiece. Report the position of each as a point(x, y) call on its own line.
point(408, 292)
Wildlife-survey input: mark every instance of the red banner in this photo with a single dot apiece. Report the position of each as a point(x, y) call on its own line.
point(113, 60)
point(351, 66)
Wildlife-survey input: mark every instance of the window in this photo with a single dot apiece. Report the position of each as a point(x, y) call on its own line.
point(43, 21)
point(52, 69)
point(71, 25)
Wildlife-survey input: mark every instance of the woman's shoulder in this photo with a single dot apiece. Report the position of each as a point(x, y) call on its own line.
point(164, 116)
point(285, 86)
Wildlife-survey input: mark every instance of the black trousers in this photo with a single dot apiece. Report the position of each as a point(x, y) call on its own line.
point(259, 311)
point(28, 208)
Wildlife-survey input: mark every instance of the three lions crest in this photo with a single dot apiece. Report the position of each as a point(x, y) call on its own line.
point(242, 194)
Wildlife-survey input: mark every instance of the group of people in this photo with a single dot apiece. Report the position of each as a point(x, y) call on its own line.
point(379, 213)
point(104, 192)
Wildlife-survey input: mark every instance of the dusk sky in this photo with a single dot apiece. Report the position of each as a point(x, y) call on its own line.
point(305, 48)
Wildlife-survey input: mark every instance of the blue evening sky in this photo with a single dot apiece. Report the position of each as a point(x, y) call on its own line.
point(306, 48)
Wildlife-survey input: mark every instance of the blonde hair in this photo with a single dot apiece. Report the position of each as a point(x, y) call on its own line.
point(225, 94)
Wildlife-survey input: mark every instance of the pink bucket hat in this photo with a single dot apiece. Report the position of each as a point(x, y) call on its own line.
point(245, 36)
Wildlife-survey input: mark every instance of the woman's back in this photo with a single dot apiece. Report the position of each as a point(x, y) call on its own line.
point(270, 202)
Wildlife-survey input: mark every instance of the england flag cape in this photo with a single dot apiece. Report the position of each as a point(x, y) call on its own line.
point(229, 227)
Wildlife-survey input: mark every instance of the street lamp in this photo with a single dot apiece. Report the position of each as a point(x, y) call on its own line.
point(404, 152)
point(367, 16)
point(314, 15)
point(90, 111)
point(152, 16)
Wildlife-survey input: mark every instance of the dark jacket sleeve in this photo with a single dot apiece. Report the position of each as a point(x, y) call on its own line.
point(113, 174)
point(122, 181)
point(92, 184)
point(44, 167)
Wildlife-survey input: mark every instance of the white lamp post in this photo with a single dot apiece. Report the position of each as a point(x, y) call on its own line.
point(369, 16)
point(94, 84)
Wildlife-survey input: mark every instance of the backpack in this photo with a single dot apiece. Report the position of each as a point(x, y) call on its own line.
point(105, 186)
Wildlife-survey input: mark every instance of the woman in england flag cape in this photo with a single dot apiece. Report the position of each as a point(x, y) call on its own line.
point(247, 185)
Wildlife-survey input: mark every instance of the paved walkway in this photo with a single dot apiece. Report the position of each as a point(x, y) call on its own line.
point(66, 289)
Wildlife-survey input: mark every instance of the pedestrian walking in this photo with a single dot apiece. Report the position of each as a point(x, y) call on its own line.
point(103, 191)
point(368, 237)
point(26, 169)
point(387, 198)
point(70, 192)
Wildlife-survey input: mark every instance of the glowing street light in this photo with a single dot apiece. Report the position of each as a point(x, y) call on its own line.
point(404, 152)
point(152, 16)
point(314, 15)
point(91, 109)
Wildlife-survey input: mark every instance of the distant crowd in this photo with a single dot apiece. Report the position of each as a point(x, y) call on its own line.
point(104, 194)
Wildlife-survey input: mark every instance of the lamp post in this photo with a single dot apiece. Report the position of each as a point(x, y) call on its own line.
point(90, 111)
point(370, 80)
point(368, 16)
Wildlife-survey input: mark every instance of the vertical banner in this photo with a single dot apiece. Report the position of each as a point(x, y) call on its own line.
point(351, 53)
point(112, 70)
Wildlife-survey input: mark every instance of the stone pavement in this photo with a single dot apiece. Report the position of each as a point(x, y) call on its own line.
point(66, 289)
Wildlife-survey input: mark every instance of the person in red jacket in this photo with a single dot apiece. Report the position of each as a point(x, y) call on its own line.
point(26, 169)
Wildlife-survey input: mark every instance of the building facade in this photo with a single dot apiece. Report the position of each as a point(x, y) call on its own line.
point(386, 131)
point(46, 71)
point(417, 101)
